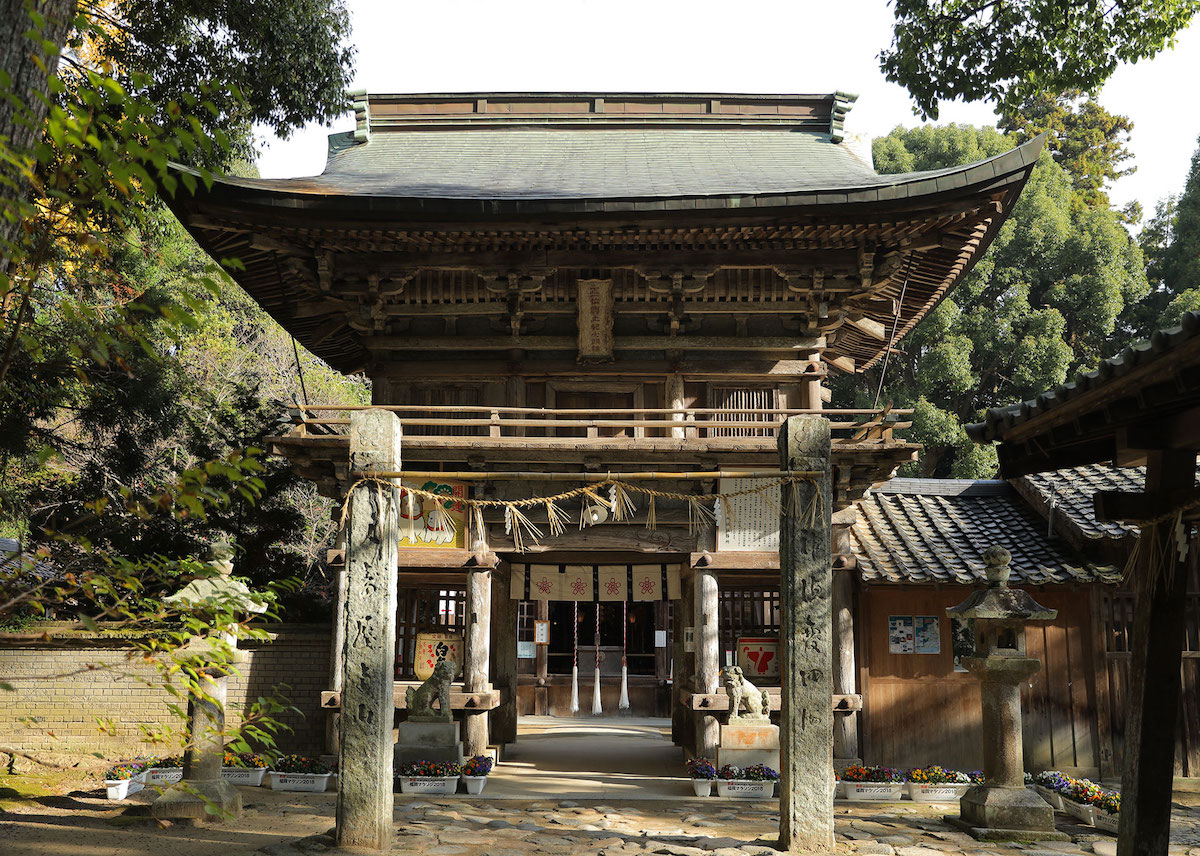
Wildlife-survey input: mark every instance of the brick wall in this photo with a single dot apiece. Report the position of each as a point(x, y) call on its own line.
point(64, 685)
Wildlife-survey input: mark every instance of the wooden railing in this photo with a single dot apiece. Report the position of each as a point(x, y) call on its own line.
point(640, 423)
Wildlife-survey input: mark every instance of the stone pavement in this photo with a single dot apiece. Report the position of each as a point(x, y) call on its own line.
point(463, 826)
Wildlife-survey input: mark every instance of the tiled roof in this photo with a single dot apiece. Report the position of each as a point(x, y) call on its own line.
point(1069, 493)
point(935, 530)
point(998, 420)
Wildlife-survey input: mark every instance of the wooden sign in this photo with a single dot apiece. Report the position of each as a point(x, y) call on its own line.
point(753, 525)
point(432, 648)
point(420, 530)
point(758, 656)
point(594, 316)
point(541, 632)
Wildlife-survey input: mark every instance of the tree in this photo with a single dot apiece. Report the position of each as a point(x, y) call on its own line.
point(1086, 140)
point(1041, 304)
point(1178, 265)
point(1010, 51)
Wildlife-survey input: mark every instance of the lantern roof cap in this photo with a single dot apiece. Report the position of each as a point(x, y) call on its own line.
point(998, 601)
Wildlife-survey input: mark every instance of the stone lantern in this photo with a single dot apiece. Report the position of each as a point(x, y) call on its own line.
point(1002, 808)
point(202, 784)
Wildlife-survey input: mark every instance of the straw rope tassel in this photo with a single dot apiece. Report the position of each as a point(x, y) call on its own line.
point(623, 704)
point(575, 659)
point(597, 708)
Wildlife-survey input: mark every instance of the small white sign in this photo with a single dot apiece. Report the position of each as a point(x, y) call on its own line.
point(660, 639)
point(526, 650)
point(541, 632)
point(689, 639)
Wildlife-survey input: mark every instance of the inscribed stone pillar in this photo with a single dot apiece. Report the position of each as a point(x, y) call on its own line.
point(1154, 689)
point(365, 801)
point(478, 666)
point(805, 581)
point(708, 658)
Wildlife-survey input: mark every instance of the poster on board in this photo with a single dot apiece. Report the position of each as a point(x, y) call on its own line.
point(900, 634)
point(928, 634)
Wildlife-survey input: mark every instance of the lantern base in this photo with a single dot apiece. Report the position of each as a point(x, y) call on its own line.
point(1006, 814)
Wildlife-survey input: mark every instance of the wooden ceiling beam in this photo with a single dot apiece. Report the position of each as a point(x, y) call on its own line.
point(620, 343)
point(691, 369)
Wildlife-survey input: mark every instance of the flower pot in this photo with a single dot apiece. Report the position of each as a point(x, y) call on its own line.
point(1107, 822)
point(474, 783)
point(164, 775)
point(118, 789)
point(702, 787)
point(252, 776)
point(1085, 813)
point(438, 785)
point(1053, 797)
point(744, 789)
point(839, 792)
point(309, 782)
point(875, 791)
point(944, 792)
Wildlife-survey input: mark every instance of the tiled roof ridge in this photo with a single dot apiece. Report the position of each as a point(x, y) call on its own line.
point(997, 420)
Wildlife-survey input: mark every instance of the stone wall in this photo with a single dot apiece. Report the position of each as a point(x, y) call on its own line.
point(61, 689)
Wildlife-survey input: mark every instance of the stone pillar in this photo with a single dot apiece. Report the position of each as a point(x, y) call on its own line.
point(708, 658)
point(806, 717)
point(504, 663)
point(202, 783)
point(845, 725)
point(365, 799)
point(1158, 634)
point(478, 666)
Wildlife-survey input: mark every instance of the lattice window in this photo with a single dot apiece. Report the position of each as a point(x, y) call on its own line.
point(756, 400)
point(746, 611)
point(447, 397)
point(421, 608)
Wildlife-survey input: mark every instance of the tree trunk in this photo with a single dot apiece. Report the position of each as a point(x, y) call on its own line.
point(18, 58)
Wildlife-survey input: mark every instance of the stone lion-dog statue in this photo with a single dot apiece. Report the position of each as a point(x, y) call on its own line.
point(436, 688)
point(758, 702)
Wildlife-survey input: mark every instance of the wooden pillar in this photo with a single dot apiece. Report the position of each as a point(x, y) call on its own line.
point(504, 662)
point(681, 674)
point(336, 643)
point(708, 657)
point(675, 399)
point(541, 692)
point(845, 725)
point(365, 801)
point(1154, 688)
point(478, 666)
point(813, 400)
point(806, 663)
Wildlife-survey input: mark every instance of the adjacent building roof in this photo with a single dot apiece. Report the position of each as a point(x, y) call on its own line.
point(1064, 498)
point(1079, 422)
point(936, 530)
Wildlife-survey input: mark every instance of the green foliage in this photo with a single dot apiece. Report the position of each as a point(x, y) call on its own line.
point(1007, 52)
point(1085, 139)
point(1041, 304)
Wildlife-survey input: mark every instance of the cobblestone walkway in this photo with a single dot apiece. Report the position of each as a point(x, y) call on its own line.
point(462, 827)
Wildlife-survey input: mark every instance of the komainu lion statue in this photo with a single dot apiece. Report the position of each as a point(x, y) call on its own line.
point(436, 688)
point(758, 702)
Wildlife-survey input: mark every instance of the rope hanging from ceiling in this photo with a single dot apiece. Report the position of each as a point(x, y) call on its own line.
point(619, 503)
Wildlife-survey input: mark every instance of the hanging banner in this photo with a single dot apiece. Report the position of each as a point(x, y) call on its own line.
point(647, 582)
point(545, 583)
point(421, 530)
point(577, 583)
point(614, 583)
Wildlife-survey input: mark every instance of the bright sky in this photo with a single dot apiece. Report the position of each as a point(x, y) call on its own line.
point(766, 46)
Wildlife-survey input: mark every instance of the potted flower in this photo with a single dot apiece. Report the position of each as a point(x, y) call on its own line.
point(164, 771)
point(244, 768)
point(123, 779)
point(754, 782)
point(872, 783)
point(1080, 800)
point(298, 773)
point(702, 772)
point(1108, 812)
point(475, 773)
point(1051, 784)
point(936, 784)
point(430, 777)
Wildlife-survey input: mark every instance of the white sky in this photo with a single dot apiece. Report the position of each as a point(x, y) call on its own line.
point(801, 46)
